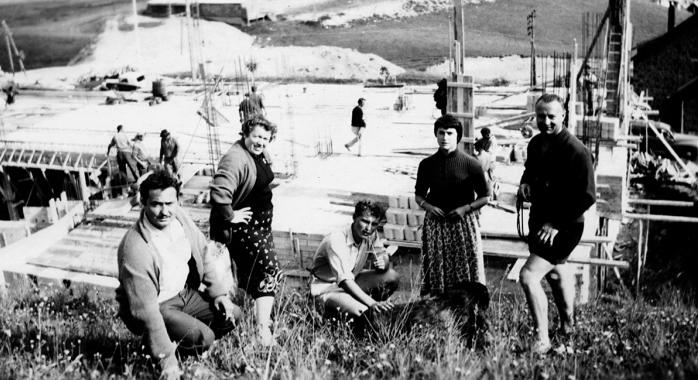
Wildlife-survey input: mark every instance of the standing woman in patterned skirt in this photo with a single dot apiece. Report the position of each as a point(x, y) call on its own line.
point(451, 187)
point(241, 214)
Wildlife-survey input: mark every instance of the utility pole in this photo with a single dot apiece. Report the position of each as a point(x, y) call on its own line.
point(135, 30)
point(531, 33)
point(11, 47)
point(192, 59)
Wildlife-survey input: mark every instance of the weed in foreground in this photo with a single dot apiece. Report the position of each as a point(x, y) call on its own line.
point(53, 332)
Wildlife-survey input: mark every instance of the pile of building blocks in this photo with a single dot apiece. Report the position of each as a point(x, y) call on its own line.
point(405, 219)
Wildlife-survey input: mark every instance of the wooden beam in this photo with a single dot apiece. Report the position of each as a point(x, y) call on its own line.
point(661, 202)
point(661, 218)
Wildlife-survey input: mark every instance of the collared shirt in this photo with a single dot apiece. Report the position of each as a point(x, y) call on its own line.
point(138, 152)
point(340, 258)
point(122, 142)
point(174, 249)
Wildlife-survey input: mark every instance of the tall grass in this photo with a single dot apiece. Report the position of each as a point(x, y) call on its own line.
point(53, 332)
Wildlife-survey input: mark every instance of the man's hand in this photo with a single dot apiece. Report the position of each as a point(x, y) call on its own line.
point(242, 215)
point(381, 307)
point(547, 234)
point(381, 260)
point(433, 209)
point(459, 212)
point(225, 306)
point(525, 191)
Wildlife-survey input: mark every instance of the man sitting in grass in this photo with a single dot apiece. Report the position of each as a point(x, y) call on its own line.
point(162, 260)
point(340, 283)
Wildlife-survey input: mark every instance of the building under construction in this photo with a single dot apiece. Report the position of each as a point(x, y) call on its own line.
point(36, 170)
point(233, 12)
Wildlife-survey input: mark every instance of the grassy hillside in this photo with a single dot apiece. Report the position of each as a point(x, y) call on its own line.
point(52, 32)
point(51, 332)
point(495, 29)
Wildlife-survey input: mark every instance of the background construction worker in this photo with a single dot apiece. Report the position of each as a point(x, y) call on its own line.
point(169, 149)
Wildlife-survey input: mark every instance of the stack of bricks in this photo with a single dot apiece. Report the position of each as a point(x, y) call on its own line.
point(610, 127)
point(405, 219)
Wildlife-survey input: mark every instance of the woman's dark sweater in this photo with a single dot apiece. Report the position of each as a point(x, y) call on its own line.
point(260, 196)
point(451, 180)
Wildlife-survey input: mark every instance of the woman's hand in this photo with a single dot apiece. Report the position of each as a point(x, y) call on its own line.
point(433, 209)
point(242, 215)
point(460, 212)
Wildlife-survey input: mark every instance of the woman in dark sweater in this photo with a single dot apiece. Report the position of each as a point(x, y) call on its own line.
point(451, 187)
point(241, 214)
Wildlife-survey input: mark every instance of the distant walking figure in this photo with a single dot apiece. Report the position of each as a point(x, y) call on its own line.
point(558, 180)
point(247, 109)
point(357, 125)
point(256, 101)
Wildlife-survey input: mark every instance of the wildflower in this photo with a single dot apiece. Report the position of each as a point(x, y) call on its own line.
point(7, 332)
point(327, 362)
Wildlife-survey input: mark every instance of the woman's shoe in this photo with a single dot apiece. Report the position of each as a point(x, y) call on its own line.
point(265, 336)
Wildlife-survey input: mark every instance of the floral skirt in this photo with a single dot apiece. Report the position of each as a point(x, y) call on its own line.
point(252, 249)
point(451, 253)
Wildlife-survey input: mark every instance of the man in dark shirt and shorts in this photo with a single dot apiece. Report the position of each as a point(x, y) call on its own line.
point(559, 183)
point(357, 125)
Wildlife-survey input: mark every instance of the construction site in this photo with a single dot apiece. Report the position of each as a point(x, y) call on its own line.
point(65, 209)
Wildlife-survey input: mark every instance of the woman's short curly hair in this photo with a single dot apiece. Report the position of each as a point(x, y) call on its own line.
point(258, 121)
point(449, 121)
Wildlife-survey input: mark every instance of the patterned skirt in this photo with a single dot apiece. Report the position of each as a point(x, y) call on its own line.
point(252, 249)
point(451, 253)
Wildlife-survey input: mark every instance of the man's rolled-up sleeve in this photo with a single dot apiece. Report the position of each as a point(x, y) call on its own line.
point(339, 258)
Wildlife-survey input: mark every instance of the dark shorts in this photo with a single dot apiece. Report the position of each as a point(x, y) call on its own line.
point(565, 241)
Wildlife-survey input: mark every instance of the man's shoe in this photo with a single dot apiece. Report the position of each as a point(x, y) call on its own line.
point(541, 347)
point(346, 146)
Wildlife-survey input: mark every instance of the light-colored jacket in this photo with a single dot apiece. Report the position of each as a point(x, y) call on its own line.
point(139, 281)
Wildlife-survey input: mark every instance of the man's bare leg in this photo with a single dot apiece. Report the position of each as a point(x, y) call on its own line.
point(531, 275)
point(561, 280)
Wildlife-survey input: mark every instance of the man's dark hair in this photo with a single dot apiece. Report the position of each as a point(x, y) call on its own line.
point(158, 179)
point(361, 100)
point(258, 121)
point(485, 132)
point(119, 128)
point(448, 121)
point(370, 207)
point(549, 98)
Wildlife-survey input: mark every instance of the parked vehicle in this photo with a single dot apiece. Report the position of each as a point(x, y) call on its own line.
point(685, 145)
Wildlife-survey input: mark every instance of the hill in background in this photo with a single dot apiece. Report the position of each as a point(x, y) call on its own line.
point(494, 29)
point(53, 33)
